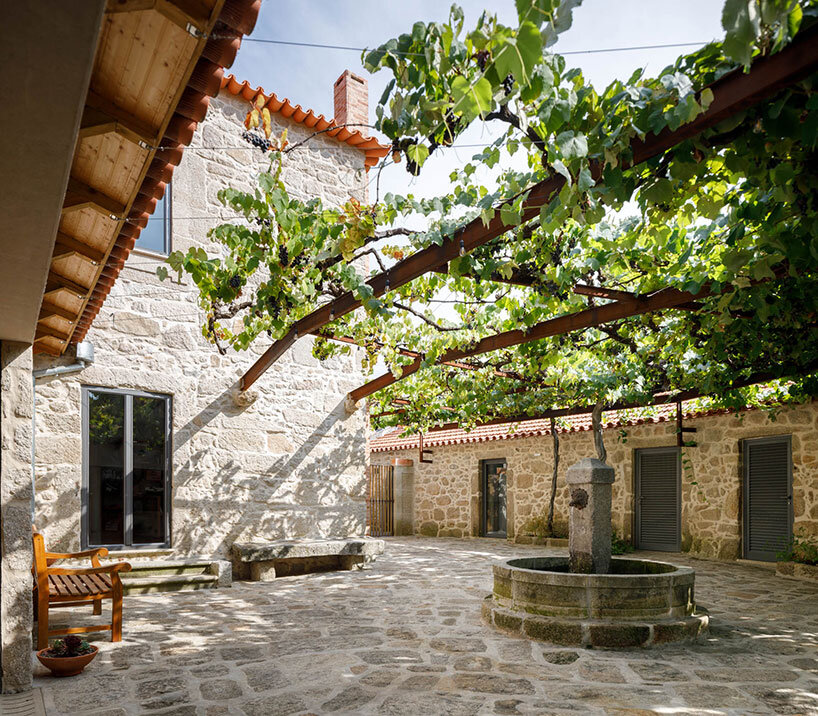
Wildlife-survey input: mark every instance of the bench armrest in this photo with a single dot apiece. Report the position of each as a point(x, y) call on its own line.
point(94, 555)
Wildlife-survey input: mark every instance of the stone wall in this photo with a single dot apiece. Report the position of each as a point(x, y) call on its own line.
point(290, 464)
point(448, 490)
point(15, 516)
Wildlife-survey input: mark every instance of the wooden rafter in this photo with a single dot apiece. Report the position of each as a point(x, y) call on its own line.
point(732, 93)
point(79, 196)
point(67, 246)
point(101, 116)
point(58, 281)
point(50, 310)
point(187, 14)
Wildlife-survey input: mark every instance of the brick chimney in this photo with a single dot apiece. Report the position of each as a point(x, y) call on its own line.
point(351, 94)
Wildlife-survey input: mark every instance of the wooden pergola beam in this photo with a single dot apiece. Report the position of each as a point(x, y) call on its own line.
point(417, 354)
point(519, 277)
point(602, 292)
point(732, 93)
point(588, 318)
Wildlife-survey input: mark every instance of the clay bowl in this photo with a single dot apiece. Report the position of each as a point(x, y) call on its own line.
point(66, 665)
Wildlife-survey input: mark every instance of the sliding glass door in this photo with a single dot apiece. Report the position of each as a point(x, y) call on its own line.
point(126, 468)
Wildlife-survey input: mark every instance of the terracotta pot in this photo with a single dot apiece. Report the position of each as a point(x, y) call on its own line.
point(66, 665)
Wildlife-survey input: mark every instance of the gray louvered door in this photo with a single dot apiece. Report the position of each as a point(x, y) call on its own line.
point(767, 496)
point(658, 499)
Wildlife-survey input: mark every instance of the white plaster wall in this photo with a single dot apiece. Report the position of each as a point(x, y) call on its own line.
point(291, 464)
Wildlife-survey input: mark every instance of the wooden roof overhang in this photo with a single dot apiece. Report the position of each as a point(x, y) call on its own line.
point(157, 64)
point(732, 93)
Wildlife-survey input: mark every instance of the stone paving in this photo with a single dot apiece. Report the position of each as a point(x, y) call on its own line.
point(405, 637)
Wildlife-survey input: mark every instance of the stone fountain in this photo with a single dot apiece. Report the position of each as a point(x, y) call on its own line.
point(589, 598)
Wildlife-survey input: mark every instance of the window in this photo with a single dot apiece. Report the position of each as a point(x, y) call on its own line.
point(155, 236)
point(126, 468)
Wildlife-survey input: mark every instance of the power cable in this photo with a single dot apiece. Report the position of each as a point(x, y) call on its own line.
point(318, 45)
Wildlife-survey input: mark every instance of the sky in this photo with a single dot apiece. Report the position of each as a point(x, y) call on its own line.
point(306, 74)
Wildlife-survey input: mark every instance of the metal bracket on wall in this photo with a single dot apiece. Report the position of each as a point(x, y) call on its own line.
point(422, 451)
point(681, 429)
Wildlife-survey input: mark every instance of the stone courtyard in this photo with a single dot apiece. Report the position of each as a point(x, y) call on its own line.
point(405, 637)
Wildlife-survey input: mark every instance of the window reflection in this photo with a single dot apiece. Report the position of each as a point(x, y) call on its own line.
point(106, 468)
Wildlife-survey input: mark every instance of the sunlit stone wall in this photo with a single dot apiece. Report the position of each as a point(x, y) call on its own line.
point(448, 490)
point(290, 464)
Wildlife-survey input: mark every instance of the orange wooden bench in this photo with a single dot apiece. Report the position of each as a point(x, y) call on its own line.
point(68, 587)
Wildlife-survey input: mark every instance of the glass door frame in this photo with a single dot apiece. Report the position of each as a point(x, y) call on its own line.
point(128, 395)
point(484, 473)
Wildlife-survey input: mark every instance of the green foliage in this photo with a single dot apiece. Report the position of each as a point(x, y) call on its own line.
point(619, 545)
point(730, 213)
point(69, 646)
point(803, 549)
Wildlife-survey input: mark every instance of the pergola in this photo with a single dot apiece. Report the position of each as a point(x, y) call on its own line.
point(732, 93)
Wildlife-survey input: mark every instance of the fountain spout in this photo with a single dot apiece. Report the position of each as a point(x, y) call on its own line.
point(589, 534)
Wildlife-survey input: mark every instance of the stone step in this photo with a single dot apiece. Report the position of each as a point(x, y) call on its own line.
point(169, 583)
point(167, 568)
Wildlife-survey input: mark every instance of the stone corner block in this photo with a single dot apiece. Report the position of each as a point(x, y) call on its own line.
point(590, 470)
point(223, 569)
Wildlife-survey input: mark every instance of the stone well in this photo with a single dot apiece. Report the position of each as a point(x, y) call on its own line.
point(637, 603)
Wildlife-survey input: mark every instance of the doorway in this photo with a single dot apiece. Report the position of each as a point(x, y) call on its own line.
point(493, 482)
point(767, 496)
point(657, 509)
point(126, 468)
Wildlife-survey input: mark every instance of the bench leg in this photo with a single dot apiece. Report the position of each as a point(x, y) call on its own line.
point(98, 606)
point(116, 612)
point(42, 623)
point(262, 571)
point(349, 562)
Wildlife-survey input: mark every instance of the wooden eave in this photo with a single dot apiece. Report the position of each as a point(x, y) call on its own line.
point(157, 64)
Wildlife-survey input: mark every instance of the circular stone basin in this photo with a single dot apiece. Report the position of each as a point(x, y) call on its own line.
point(638, 603)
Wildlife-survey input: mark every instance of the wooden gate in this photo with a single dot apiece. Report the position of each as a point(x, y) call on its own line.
point(380, 504)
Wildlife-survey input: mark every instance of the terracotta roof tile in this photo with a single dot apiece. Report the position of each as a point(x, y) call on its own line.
point(395, 439)
point(373, 149)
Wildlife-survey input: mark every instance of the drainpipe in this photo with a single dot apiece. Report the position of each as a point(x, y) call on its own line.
point(85, 357)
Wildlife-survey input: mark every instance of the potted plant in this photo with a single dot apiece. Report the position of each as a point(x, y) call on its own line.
point(68, 656)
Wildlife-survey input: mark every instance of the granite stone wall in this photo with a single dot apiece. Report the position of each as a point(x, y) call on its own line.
point(289, 464)
point(15, 516)
point(447, 498)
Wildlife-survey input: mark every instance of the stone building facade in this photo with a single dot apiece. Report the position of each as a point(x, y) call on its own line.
point(290, 463)
point(449, 497)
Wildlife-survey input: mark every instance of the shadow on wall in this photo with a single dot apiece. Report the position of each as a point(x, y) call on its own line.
point(16, 591)
point(316, 490)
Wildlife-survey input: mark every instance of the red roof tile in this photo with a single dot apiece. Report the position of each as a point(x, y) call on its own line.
point(372, 148)
point(396, 440)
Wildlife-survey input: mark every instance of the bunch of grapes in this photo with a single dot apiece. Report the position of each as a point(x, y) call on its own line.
point(283, 256)
point(257, 141)
point(235, 281)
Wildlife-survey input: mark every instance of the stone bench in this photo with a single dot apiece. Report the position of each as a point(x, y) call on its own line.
point(264, 561)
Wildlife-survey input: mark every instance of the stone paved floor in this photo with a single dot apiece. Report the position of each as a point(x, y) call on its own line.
point(405, 637)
